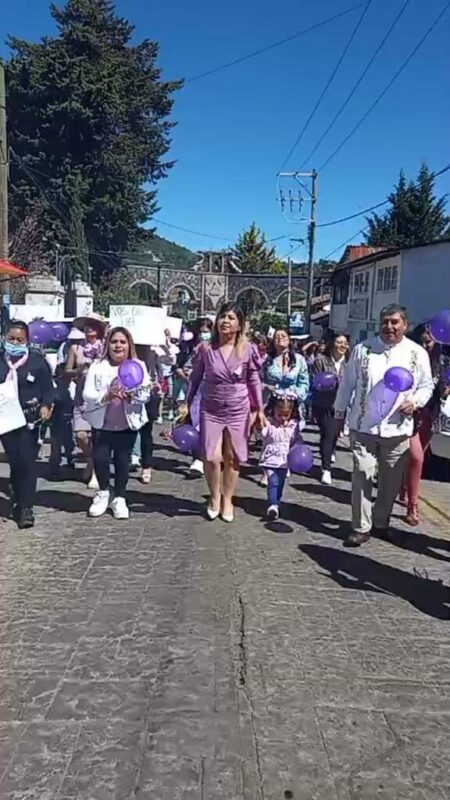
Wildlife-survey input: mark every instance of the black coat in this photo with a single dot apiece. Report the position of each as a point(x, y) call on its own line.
point(325, 400)
point(40, 389)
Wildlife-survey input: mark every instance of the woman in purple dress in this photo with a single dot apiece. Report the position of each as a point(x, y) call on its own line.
point(232, 394)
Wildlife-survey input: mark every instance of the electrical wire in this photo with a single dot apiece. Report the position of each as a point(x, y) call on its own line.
point(347, 241)
point(357, 84)
point(387, 87)
point(327, 84)
point(272, 46)
point(352, 216)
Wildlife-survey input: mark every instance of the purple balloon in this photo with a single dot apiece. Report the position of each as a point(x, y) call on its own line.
point(60, 331)
point(398, 379)
point(325, 381)
point(186, 438)
point(380, 402)
point(440, 327)
point(40, 332)
point(300, 458)
point(131, 374)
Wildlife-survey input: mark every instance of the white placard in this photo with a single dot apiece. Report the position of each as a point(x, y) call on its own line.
point(48, 312)
point(174, 325)
point(145, 323)
point(11, 414)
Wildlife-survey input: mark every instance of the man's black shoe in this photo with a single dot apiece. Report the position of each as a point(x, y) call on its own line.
point(26, 518)
point(355, 539)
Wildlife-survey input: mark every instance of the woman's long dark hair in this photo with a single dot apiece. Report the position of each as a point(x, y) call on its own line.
point(272, 349)
point(330, 344)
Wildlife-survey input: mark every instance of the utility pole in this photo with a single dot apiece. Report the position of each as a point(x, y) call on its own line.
point(289, 292)
point(312, 241)
point(3, 183)
point(290, 201)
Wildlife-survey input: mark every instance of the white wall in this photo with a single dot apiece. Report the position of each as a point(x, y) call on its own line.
point(425, 281)
point(384, 298)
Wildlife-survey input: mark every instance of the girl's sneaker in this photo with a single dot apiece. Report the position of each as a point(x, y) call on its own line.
point(273, 513)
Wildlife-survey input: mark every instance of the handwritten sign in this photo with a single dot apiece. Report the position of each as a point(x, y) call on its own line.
point(28, 312)
point(145, 323)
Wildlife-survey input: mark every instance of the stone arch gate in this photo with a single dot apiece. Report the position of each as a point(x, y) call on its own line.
point(203, 292)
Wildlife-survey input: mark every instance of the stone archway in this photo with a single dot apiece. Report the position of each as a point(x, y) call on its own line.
point(181, 300)
point(147, 293)
point(298, 297)
point(252, 299)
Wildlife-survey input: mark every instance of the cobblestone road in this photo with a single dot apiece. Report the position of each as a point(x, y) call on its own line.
point(169, 658)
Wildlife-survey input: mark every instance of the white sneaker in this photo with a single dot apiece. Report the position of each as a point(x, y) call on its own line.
point(333, 459)
point(93, 483)
point(99, 504)
point(326, 478)
point(273, 513)
point(146, 475)
point(197, 467)
point(119, 508)
point(135, 462)
point(159, 421)
point(170, 416)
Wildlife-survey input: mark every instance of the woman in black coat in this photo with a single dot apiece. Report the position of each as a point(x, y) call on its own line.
point(32, 379)
point(332, 361)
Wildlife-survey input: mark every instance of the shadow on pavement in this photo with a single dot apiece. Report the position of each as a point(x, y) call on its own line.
point(332, 492)
point(360, 572)
point(154, 503)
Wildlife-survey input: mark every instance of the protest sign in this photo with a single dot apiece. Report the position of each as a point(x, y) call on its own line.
point(145, 323)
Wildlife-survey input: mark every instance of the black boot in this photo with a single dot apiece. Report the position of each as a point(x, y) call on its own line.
point(25, 518)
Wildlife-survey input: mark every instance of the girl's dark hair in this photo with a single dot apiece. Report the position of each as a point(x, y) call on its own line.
point(17, 323)
point(272, 349)
point(418, 332)
point(330, 342)
point(278, 401)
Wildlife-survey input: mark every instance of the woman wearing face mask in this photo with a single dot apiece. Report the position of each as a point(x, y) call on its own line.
point(116, 415)
point(79, 359)
point(229, 369)
point(30, 375)
point(333, 361)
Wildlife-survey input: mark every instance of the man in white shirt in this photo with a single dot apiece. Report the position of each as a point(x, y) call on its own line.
point(380, 431)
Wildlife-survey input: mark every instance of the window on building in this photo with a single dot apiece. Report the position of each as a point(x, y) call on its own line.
point(387, 278)
point(361, 283)
point(340, 294)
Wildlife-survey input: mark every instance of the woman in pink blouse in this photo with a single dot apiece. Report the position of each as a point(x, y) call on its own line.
point(232, 398)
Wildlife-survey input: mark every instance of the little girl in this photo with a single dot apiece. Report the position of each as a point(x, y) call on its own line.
point(278, 437)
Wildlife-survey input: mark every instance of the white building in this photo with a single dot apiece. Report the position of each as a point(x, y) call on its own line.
point(416, 277)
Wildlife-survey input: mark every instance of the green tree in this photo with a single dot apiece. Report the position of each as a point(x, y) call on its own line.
point(91, 103)
point(252, 253)
point(416, 215)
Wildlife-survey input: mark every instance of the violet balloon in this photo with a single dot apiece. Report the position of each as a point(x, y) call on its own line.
point(131, 374)
point(300, 458)
point(60, 331)
point(186, 438)
point(325, 381)
point(398, 379)
point(40, 332)
point(380, 402)
point(440, 327)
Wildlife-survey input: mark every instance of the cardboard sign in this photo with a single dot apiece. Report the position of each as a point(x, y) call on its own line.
point(27, 313)
point(145, 323)
point(174, 325)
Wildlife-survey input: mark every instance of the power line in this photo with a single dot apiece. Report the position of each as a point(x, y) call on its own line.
point(188, 230)
point(357, 84)
point(280, 42)
point(361, 230)
point(388, 86)
point(328, 84)
point(352, 216)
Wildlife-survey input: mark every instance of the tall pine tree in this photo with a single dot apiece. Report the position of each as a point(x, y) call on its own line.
point(252, 253)
point(87, 102)
point(416, 215)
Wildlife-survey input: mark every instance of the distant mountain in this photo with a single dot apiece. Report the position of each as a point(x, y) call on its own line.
point(155, 249)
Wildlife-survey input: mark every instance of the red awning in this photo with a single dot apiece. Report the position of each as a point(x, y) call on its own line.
point(10, 269)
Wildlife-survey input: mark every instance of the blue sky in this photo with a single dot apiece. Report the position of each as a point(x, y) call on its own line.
point(235, 128)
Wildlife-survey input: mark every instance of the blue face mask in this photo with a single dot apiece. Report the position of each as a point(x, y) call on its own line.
point(205, 336)
point(16, 350)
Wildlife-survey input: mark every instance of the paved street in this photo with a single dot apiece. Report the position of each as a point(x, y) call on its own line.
point(171, 658)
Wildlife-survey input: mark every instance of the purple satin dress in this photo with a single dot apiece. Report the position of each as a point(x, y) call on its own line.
point(231, 390)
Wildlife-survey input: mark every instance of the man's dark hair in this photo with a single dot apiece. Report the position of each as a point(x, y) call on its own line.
point(394, 308)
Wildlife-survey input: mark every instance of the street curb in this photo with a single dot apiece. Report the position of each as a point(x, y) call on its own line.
point(435, 506)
